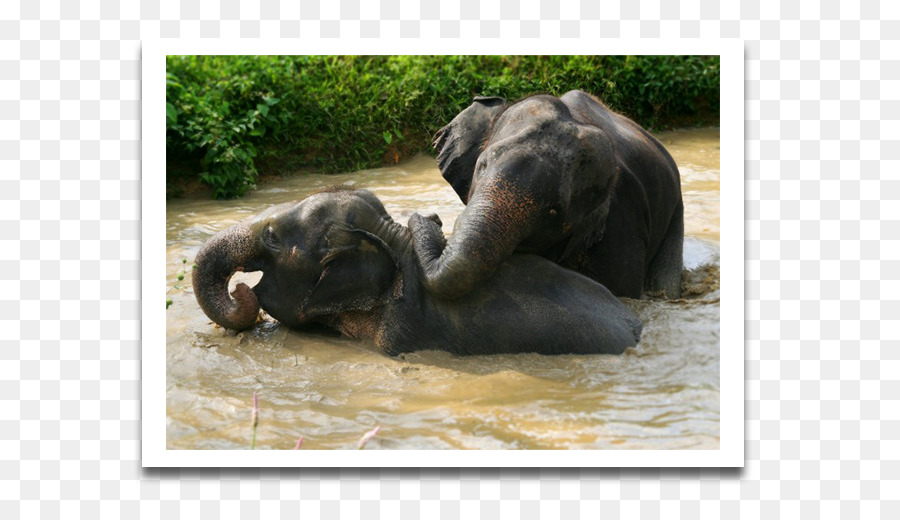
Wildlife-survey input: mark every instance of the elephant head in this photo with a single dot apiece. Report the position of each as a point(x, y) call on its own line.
point(459, 143)
point(329, 253)
point(534, 180)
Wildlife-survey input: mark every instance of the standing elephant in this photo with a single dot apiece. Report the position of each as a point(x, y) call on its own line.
point(564, 178)
point(337, 258)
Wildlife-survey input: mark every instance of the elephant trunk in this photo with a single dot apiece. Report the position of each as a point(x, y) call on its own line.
point(219, 258)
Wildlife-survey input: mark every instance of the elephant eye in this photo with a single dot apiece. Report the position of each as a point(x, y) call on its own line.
point(270, 238)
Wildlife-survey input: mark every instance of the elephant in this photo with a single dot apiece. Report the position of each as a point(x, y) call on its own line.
point(564, 178)
point(338, 259)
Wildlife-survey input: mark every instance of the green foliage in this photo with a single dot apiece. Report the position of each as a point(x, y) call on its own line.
point(651, 89)
point(179, 277)
point(228, 116)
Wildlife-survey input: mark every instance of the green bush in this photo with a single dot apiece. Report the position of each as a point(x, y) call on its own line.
point(229, 117)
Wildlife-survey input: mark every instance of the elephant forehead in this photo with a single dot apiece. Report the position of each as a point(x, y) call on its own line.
point(322, 208)
point(540, 137)
point(523, 146)
point(273, 212)
point(534, 109)
point(285, 214)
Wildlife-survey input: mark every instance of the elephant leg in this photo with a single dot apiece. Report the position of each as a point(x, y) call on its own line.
point(619, 260)
point(664, 272)
point(622, 274)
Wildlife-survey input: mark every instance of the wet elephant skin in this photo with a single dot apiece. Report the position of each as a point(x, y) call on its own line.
point(563, 178)
point(337, 258)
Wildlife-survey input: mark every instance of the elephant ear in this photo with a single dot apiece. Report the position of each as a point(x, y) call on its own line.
point(357, 273)
point(459, 144)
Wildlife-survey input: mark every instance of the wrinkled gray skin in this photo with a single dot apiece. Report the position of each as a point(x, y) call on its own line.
point(338, 259)
point(564, 178)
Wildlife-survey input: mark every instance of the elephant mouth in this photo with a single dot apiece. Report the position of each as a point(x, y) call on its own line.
point(250, 279)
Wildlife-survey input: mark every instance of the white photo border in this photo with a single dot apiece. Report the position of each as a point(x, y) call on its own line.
point(153, 224)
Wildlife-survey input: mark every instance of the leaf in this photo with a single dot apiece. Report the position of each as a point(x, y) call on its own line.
point(263, 109)
point(387, 137)
point(171, 113)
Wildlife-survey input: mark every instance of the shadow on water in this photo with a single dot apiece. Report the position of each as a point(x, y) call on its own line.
point(662, 394)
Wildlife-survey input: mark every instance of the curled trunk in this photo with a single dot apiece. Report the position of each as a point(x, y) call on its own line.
point(219, 258)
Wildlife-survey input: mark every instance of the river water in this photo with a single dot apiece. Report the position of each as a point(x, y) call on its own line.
point(663, 394)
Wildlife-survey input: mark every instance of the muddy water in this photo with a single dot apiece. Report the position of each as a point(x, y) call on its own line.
point(662, 394)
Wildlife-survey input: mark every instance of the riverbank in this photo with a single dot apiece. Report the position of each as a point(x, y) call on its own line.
point(192, 187)
point(233, 119)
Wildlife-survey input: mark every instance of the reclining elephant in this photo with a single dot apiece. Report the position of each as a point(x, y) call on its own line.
point(337, 258)
point(564, 178)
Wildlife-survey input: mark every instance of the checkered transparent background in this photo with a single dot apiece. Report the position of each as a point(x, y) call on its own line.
point(822, 258)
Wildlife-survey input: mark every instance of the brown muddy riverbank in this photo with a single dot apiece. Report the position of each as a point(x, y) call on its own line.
point(662, 394)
